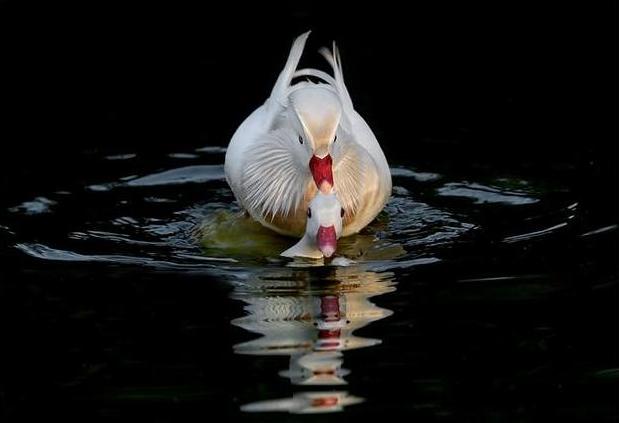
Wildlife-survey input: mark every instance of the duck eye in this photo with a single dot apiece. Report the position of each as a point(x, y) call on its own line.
point(309, 213)
point(341, 212)
point(300, 139)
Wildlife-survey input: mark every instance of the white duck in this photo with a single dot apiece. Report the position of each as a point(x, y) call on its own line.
point(307, 136)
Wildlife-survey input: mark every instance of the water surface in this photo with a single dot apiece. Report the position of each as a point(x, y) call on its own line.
point(142, 291)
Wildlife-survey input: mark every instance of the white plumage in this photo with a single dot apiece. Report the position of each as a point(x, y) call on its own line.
point(267, 161)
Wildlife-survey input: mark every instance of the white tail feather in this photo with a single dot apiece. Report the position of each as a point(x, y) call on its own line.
point(318, 74)
point(333, 58)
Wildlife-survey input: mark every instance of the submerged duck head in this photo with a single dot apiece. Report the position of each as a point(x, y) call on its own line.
point(322, 230)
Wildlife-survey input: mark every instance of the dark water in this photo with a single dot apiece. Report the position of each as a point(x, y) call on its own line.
point(132, 290)
point(137, 291)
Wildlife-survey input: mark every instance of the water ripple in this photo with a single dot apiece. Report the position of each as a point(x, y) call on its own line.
point(128, 226)
point(485, 194)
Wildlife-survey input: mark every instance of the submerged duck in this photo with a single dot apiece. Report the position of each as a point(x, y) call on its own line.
point(306, 138)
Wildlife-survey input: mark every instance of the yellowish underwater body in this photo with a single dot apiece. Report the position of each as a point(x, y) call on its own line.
point(235, 235)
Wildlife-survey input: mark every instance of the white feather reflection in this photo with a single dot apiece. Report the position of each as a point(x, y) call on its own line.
point(313, 322)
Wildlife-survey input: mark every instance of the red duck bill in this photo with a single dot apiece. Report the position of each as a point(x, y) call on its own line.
point(322, 171)
point(326, 240)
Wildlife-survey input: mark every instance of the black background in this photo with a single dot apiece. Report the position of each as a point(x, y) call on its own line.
point(499, 82)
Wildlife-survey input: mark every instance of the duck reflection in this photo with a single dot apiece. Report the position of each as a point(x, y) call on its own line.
point(305, 403)
point(310, 317)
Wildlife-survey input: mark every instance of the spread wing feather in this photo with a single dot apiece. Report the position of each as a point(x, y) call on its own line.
point(273, 183)
point(348, 175)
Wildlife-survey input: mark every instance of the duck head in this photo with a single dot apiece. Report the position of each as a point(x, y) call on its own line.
point(318, 111)
point(322, 230)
